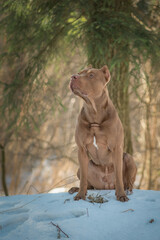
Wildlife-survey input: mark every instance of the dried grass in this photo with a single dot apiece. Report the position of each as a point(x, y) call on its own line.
point(97, 199)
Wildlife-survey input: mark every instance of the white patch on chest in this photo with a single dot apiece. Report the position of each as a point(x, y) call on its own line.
point(94, 142)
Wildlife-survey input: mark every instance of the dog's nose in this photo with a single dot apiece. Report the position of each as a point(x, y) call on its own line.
point(74, 77)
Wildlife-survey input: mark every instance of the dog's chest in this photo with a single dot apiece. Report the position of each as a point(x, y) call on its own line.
point(98, 149)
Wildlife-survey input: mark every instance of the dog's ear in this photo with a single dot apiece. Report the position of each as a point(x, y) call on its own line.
point(106, 73)
point(89, 66)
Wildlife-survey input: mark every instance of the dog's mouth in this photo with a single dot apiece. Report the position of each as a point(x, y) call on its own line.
point(76, 90)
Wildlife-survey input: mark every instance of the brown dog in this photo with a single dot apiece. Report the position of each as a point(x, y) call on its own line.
point(99, 136)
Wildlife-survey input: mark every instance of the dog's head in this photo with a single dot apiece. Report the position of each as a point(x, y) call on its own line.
point(90, 82)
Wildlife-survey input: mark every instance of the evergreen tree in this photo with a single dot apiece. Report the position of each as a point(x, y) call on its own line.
point(119, 33)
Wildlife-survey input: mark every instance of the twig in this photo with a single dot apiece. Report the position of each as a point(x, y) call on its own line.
point(87, 212)
point(32, 186)
point(15, 209)
point(24, 186)
point(128, 210)
point(96, 199)
point(59, 229)
point(66, 200)
point(57, 184)
point(152, 220)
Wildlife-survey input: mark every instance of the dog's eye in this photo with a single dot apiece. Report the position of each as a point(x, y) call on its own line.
point(91, 75)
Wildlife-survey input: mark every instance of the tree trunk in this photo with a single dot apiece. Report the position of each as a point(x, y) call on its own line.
point(112, 55)
point(4, 185)
point(118, 89)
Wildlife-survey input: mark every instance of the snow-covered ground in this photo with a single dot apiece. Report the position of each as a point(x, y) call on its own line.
point(33, 217)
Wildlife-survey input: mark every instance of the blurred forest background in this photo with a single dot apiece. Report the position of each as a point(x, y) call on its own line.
point(42, 43)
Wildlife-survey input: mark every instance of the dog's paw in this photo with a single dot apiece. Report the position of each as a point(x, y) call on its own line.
point(73, 190)
point(80, 196)
point(122, 198)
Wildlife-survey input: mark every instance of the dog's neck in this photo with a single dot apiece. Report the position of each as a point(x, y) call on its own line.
point(95, 108)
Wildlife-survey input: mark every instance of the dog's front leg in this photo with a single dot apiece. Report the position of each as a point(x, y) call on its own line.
point(83, 163)
point(118, 166)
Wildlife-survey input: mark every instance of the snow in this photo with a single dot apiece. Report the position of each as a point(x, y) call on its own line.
point(29, 217)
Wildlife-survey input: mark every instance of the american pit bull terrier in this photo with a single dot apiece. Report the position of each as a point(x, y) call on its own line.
point(99, 137)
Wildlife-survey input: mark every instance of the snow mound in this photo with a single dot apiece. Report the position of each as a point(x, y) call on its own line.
point(58, 216)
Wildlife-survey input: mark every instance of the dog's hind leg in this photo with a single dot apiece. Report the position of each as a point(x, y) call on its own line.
point(76, 189)
point(129, 172)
